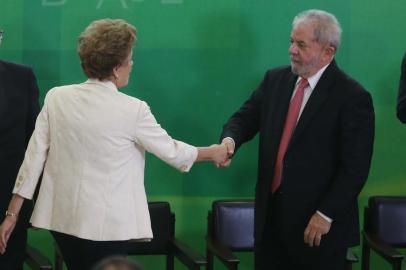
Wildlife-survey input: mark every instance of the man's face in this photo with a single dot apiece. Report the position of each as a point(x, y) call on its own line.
point(307, 56)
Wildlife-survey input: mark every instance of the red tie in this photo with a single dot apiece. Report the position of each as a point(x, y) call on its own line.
point(290, 123)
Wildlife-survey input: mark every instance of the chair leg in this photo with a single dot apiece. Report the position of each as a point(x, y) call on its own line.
point(397, 265)
point(232, 266)
point(349, 265)
point(58, 261)
point(365, 256)
point(209, 257)
point(170, 262)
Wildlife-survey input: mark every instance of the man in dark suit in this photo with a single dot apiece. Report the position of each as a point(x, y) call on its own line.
point(18, 111)
point(401, 108)
point(316, 132)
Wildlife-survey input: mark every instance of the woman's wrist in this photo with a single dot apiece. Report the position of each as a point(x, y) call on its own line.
point(11, 215)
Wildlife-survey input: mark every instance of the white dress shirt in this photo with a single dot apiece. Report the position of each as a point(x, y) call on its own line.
point(313, 80)
point(90, 142)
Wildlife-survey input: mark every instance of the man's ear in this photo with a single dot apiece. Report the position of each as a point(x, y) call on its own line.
point(330, 52)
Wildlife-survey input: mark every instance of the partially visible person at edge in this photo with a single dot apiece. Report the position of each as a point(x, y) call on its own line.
point(316, 133)
point(401, 107)
point(18, 110)
point(90, 142)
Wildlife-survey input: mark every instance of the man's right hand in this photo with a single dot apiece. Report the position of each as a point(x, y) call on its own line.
point(230, 152)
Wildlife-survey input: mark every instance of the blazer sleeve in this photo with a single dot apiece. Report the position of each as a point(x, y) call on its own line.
point(401, 104)
point(151, 136)
point(35, 156)
point(356, 147)
point(244, 124)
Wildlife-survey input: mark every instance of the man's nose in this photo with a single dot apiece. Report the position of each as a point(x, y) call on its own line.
point(292, 48)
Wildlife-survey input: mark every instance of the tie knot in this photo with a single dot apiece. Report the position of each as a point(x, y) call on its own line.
point(303, 83)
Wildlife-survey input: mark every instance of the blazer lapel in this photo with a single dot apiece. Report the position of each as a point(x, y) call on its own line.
point(317, 98)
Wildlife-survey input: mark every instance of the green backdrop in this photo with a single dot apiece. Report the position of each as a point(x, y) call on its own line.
point(196, 61)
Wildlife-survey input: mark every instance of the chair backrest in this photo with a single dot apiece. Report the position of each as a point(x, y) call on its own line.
point(233, 223)
point(386, 217)
point(163, 229)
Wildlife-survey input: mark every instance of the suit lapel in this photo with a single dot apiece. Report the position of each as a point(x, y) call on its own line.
point(282, 101)
point(279, 106)
point(316, 100)
point(277, 109)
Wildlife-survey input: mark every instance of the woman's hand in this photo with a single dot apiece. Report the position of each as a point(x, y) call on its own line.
point(6, 229)
point(230, 152)
point(219, 153)
point(216, 152)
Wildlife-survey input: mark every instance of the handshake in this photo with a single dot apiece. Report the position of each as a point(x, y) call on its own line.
point(220, 154)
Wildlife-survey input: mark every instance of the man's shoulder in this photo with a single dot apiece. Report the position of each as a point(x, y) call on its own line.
point(350, 84)
point(278, 75)
point(342, 81)
point(14, 67)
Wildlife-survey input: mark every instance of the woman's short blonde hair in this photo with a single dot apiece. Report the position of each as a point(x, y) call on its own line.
point(104, 45)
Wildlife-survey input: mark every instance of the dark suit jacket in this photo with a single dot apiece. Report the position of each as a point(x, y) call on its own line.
point(18, 111)
point(328, 158)
point(401, 108)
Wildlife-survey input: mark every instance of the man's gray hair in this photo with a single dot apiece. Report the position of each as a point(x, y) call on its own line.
point(327, 29)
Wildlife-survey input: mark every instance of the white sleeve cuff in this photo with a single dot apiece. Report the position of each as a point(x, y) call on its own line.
point(325, 217)
point(230, 140)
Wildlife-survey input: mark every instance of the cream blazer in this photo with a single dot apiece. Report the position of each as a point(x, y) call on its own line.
point(90, 142)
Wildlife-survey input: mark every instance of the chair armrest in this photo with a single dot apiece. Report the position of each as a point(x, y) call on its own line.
point(186, 255)
point(36, 260)
point(351, 256)
point(224, 254)
point(386, 251)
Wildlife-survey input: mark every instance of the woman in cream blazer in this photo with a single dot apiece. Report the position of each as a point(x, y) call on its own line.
point(90, 142)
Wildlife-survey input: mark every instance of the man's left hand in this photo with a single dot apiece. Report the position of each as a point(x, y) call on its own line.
point(316, 228)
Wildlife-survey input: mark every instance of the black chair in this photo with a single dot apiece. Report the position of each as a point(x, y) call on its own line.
point(230, 228)
point(351, 259)
point(35, 260)
point(58, 257)
point(163, 243)
point(384, 229)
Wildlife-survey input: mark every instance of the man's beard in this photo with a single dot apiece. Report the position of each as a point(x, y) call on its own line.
point(304, 69)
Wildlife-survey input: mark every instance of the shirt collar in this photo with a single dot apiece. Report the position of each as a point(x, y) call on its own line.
point(106, 83)
point(313, 80)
